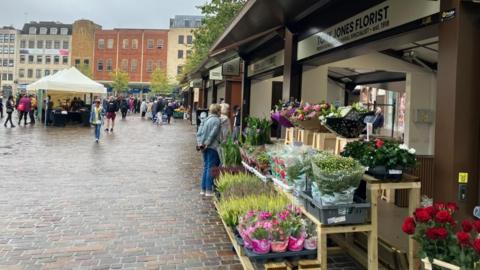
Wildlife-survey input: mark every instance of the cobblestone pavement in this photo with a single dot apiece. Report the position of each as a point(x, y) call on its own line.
point(130, 202)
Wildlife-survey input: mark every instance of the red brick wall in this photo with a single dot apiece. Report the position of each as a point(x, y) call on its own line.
point(156, 55)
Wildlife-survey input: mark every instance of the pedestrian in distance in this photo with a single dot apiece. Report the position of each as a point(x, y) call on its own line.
point(1, 107)
point(208, 142)
point(10, 105)
point(33, 108)
point(225, 125)
point(96, 119)
point(237, 118)
point(112, 108)
point(169, 112)
point(143, 108)
point(124, 107)
point(24, 106)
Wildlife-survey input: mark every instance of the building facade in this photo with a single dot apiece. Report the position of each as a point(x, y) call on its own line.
point(137, 52)
point(8, 41)
point(83, 43)
point(43, 49)
point(180, 46)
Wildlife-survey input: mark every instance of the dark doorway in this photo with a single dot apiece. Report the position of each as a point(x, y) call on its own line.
point(277, 95)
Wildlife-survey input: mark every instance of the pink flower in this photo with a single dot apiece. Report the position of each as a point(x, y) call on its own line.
point(265, 215)
point(317, 108)
point(267, 225)
point(301, 117)
point(307, 108)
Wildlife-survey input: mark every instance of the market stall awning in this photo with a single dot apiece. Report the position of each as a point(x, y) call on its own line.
point(68, 80)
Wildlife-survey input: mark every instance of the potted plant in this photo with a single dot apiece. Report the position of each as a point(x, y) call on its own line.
point(383, 159)
point(310, 235)
point(280, 235)
point(441, 239)
point(263, 162)
point(292, 218)
point(307, 115)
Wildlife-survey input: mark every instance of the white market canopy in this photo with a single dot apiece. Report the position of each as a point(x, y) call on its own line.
point(68, 80)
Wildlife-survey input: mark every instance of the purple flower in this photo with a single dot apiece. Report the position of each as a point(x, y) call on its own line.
point(265, 215)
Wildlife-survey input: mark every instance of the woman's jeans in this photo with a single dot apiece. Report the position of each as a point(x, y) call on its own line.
point(210, 160)
point(98, 128)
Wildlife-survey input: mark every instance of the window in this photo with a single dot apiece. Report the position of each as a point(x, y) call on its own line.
point(47, 72)
point(56, 44)
point(31, 44)
point(86, 62)
point(150, 44)
point(40, 44)
point(189, 53)
point(54, 71)
point(30, 73)
point(124, 65)
point(48, 59)
point(108, 66)
point(181, 39)
point(1, 37)
point(100, 65)
point(53, 31)
point(5, 62)
point(187, 23)
point(63, 31)
point(43, 30)
point(10, 63)
point(12, 50)
point(101, 43)
point(158, 64)
point(21, 73)
point(38, 73)
point(30, 59)
point(134, 65)
point(149, 66)
point(198, 23)
point(160, 43)
point(65, 60)
point(12, 38)
point(23, 44)
point(189, 39)
point(77, 62)
point(10, 76)
point(65, 44)
point(56, 59)
point(125, 44)
point(39, 59)
point(134, 44)
point(110, 43)
point(22, 58)
point(48, 44)
point(180, 54)
point(32, 30)
point(4, 76)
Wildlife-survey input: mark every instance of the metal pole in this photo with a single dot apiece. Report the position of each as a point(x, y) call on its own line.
point(394, 105)
point(46, 108)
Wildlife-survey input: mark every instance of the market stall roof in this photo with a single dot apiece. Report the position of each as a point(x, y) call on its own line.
point(68, 80)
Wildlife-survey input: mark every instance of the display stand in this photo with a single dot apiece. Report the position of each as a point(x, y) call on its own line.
point(305, 136)
point(324, 141)
point(341, 142)
point(290, 135)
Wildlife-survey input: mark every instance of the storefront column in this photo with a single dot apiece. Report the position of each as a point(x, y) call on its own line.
point(214, 92)
point(246, 84)
point(457, 120)
point(205, 94)
point(292, 72)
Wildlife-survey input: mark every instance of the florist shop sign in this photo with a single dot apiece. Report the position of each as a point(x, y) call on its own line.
point(387, 15)
point(268, 63)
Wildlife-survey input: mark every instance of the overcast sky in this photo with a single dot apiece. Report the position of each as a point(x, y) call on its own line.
point(108, 13)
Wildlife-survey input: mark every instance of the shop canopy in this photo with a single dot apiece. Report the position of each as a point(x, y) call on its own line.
point(68, 80)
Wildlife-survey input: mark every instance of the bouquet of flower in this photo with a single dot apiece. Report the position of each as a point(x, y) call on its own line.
point(283, 111)
point(346, 121)
point(434, 228)
point(306, 115)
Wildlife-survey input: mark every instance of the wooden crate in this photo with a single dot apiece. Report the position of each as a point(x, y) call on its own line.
point(341, 142)
point(305, 136)
point(290, 135)
point(324, 141)
point(277, 266)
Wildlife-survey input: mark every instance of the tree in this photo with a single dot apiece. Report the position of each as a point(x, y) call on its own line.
point(86, 70)
point(120, 81)
point(159, 82)
point(217, 16)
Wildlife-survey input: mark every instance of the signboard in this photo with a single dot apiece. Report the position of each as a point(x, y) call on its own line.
point(382, 17)
point(231, 68)
point(196, 95)
point(268, 63)
point(197, 83)
point(216, 74)
point(462, 178)
point(61, 52)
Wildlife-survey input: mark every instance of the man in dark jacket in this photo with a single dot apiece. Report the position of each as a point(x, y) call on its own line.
point(124, 107)
point(112, 108)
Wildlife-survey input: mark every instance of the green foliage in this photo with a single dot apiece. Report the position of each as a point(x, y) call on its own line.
point(217, 16)
point(260, 234)
point(159, 82)
point(230, 153)
point(241, 185)
point(120, 81)
point(258, 131)
point(86, 70)
point(232, 209)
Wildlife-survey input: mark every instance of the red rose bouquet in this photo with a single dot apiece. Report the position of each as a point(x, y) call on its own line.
point(439, 236)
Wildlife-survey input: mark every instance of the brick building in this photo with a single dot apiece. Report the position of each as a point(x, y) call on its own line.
point(135, 51)
point(83, 42)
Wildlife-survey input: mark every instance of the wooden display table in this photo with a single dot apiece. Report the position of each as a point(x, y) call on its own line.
point(324, 141)
point(305, 136)
point(341, 142)
point(290, 135)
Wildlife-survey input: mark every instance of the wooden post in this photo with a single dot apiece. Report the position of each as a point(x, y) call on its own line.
point(373, 234)
point(413, 203)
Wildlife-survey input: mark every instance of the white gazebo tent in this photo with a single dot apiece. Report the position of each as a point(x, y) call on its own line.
point(69, 80)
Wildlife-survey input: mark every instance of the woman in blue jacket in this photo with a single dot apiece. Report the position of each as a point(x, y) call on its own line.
point(96, 119)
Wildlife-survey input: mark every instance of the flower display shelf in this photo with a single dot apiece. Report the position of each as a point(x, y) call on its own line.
point(324, 141)
point(282, 185)
point(437, 264)
point(290, 135)
point(284, 255)
point(254, 171)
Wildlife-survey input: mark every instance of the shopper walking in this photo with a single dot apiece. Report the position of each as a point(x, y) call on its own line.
point(124, 107)
point(33, 101)
point(225, 124)
point(112, 108)
point(208, 142)
point(96, 119)
point(169, 112)
point(143, 108)
point(10, 105)
point(1, 107)
point(23, 108)
point(237, 118)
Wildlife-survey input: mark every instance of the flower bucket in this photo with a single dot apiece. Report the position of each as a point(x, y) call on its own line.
point(310, 243)
point(296, 244)
point(247, 242)
point(279, 246)
point(382, 173)
point(261, 246)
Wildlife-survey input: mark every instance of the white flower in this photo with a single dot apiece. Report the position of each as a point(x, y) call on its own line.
point(403, 147)
point(411, 151)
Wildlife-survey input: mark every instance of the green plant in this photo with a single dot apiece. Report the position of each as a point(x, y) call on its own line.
point(241, 185)
point(230, 153)
point(260, 233)
point(258, 131)
point(263, 158)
